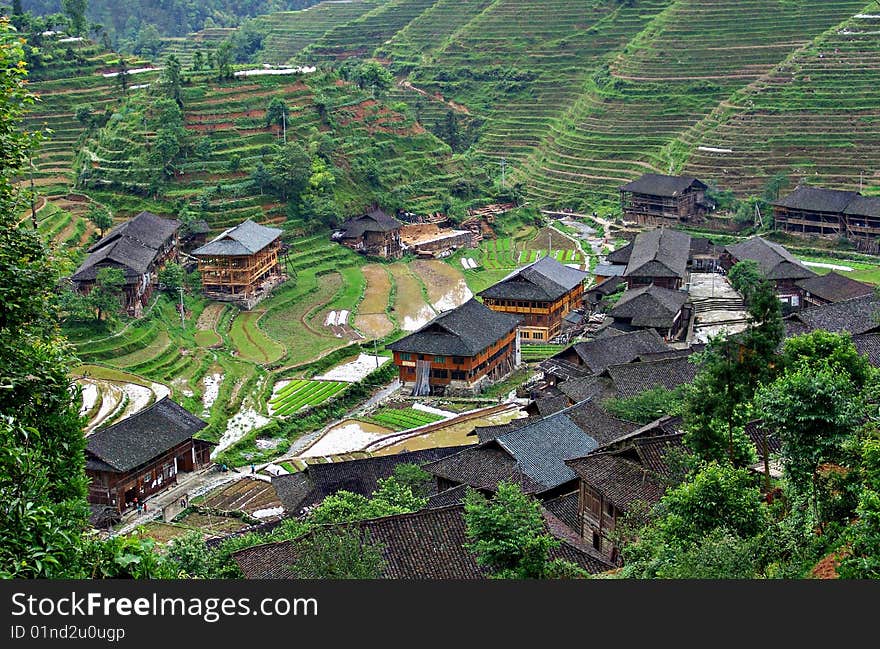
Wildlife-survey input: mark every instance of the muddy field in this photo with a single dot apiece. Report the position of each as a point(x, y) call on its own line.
point(446, 286)
point(371, 316)
point(246, 495)
point(347, 436)
point(550, 239)
point(410, 309)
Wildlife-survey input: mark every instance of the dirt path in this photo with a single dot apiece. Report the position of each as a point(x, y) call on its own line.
point(454, 106)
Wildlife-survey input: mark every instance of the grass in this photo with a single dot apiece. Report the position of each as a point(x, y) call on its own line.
point(303, 393)
point(532, 353)
point(403, 418)
point(250, 341)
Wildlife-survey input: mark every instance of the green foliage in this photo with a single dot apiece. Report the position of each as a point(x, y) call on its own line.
point(42, 475)
point(105, 296)
point(745, 277)
point(124, 557)
point(415, 478)
point(649, 405)
point(75, 10)
point(100, 216)
point(172, 276)
point(340, 553)
point(836, 350)
point(391, 497)
point(277, 111)
point(507, 533)
point(289, 170)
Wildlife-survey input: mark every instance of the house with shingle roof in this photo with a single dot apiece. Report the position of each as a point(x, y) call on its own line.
point(828, 213)
point(659, 257)
point(858, 315)
point(776, 263)
point(831, 287)
point(632, 379)
point(658, 199)
point(140, 248)
point(459, 351)
point(542, 294)
point(241, 264)
point(611, 348)
point(664, 310)
point(304, 489)
point(142, 454)
point(374, 233)
point(532, 455)
point(427, 544)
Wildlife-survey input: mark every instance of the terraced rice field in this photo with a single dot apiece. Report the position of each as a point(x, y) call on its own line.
point(534, 353)
point(372, 316)
point(445, 284)
point(248, 495)
point(249, 340)
point(404, 418)
point(303, 393)
point(410, 310)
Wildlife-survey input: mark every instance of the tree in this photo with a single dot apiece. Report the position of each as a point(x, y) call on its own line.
point(836, 350)
point(415, 477)
point(290, 169)
point(171, 81)
point(861, 559)
point(507, 533)
point(341, 553)
point(390, 497)
point(122, 75)
point(100, 216)
point(84, 115)
point(223, 60)
point(277, 112)
point(198, 61)
point(813, 410)
point(42, 461)
point(745, 277)
point(374, 75)
point(777, 183)
point(172, 276)
point(75, 11)
point(105, 296)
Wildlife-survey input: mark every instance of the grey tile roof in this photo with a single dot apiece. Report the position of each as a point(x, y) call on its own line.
point(465, 331)
point(563, 369)
point(482, 468)
point(452, 496)
point(374, 221)
point(599, 353)
point(485, 433)
point(131, 246)
point(817, 199)
point(649, 306)
point(565, 508)
point(858, 315)
point(608, 270)
point(547, 406)
point(864, 206)
point(599, 424)
point(580, 388)
point(244, 239)
point(662, 185)
point(631, 379)
point(621, 255)
point(139, 438)
point(869, 345)
point(428, 544)
point(773, 260)
point(317, 481)
point(545, 280)
point(659, 253)
point(834, 287)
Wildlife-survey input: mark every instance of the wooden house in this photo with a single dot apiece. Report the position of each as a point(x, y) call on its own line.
point(542, 294)
point(828, 213)
point(776, 263)
point(656, 199)
point(459, 350)
point(659, 257)
point(241, 264)
point(376, 234)
point(428, 544)
point(142, 454)
point(830, 288)
point(665, 310)
point(140, 248)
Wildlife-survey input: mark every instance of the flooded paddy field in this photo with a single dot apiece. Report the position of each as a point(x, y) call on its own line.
point(445, 285)
point(410, 309)
point(372, 319)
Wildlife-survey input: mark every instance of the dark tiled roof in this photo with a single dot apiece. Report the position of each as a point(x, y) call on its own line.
point(428, 544)
point(755, 432)
point(703, 246)
point(608, 286)
point(621, 255)
point(857, 316)
point(773, 260)
point(144, 435)
point(817, 199)
point(662, 185)
point(563, 369)
point(649, 306)
point(317, 481)
point(374, 221)
point(545, 280)
point(834, 287)
point(581, 388)
point(550, 405)
point(242, 240)
point(453, 496)
point(482, 468)
point(621, 348)
point(631, 379)
point(465, 331)
point(599, 424)
point(565, 508)
point(485, 433)
point(609, 271)
point(131, 246)
point(864, 206)
point(673, 353)
point(659, 253)
point(869, 345)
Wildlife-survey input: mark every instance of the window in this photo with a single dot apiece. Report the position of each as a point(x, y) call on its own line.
point(592, 502)
point(458, 360)
point(538, 335)
point(524, 334)
point(458, 375)
point(440, 360)
point(609, 510)
point(597, 541)
point(405, 357)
